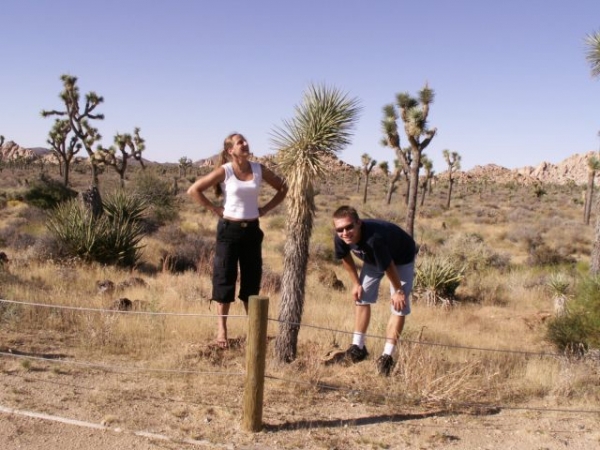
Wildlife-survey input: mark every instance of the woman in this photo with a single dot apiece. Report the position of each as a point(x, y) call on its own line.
point(239, 237)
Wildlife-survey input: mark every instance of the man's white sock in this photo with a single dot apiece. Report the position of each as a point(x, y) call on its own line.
point(358, 339)
point(388, 348)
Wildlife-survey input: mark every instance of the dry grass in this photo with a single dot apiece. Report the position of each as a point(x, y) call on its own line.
point(442, 363)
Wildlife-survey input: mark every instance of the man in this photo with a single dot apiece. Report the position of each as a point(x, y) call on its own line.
point(385, 249)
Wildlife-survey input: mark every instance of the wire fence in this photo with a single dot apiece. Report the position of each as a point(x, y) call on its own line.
point(372, 395)
point(295, 324)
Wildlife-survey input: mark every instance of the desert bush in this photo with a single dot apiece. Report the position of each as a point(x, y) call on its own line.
point(271, 281)
point(158, 195)
point(321, 244)
point(520, 215)
point(578, 329)
point(437, 279)
point(540, 254)
point(191, 253)
point(470, 251)
point(47, 193)
point(277, 222)
point(113, 238)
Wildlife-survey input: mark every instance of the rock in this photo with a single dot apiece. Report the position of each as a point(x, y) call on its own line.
point(105, 286)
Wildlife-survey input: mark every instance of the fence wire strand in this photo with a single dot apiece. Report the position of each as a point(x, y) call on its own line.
point(372, 395)
point(426, 343)
point(122, 369)
point(115, 311)
point(295, 324)
point(119, 369)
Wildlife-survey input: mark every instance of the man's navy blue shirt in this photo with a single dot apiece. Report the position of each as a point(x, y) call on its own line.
point(380, 243)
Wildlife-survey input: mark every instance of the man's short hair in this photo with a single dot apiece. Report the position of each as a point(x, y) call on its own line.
point(346, 211)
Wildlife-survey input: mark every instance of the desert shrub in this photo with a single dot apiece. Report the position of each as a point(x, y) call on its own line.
point(437, 279)
point(570, 238)
point(112, 238)
point(188, 252)
point(158, 195)
point(578, 329)
point(271, 281)
point(277, 222)
point(485, 289)
point(321, 244)
point(3, 200)
point(46, 193)
point(520, 215)
point(540, 254)
point(9, 233)
point(470, 251)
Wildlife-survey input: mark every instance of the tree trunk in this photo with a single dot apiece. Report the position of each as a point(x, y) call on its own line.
point(589, 194)
point(392, 186)
point(365, 189)
point(411, 212)
point(423, 192)
point(595, 257)
point(92, 201)
point(65, 165)
point(388, 197)
point(94, 171)
point(450, 184)
point(295, 263)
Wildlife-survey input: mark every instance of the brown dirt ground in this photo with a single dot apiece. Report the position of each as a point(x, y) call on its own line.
point(124, 408)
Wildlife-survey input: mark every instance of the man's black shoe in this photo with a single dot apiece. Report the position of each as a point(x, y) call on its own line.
point(354, 354)
point(385, 364)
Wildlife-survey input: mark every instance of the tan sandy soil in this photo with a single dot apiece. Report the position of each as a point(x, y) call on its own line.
point(187, 410)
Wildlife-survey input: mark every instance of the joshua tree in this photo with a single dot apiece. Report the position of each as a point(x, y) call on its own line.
point(1, 155)
point(593, 167)
point(184, 164)
point(367, 166)
point(79, 119)
point(136, 146)
point(414, 115)
point(392, 179)
point(385, 170)
point(322, 126)
point(358, 174)
point(593, 57)
point(453, 161)
point(426, 184)
point(65, 152)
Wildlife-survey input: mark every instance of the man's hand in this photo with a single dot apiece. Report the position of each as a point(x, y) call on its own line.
point(398, 301)
point(357, 292)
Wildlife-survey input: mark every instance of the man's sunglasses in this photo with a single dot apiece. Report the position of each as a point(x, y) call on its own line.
point(348, 227)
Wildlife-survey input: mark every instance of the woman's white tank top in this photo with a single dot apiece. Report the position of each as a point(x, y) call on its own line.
point(241, 197)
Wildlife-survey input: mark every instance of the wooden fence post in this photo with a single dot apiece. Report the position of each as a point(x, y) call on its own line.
point(256, 353)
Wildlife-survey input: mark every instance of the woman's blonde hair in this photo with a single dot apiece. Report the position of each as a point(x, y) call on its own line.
point(224, 158)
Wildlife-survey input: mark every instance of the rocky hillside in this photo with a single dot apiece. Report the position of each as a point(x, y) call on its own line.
point(572, 169)
point(11, 151)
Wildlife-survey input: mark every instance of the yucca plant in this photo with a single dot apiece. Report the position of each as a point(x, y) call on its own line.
point(559, 284)
point(113, 238)
point(437, 279)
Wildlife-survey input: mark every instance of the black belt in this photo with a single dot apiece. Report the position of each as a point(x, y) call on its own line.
point(242, 223)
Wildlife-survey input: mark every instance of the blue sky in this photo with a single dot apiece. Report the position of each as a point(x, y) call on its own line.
point(511, 80)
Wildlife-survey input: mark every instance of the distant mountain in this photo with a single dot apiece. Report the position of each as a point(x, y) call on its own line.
point(572, 169)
